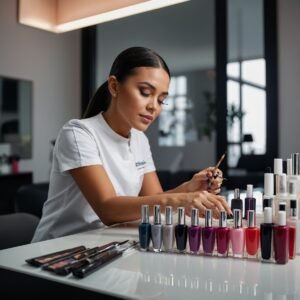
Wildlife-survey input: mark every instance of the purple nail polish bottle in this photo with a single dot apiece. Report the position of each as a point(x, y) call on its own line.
point(208, 234)
point(194, 231)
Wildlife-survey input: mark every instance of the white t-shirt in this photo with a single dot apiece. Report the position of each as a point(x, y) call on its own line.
point(90, 142)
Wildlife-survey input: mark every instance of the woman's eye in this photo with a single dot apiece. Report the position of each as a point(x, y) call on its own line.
point(145, 92)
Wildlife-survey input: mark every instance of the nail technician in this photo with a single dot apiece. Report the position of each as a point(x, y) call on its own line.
point(102, 169)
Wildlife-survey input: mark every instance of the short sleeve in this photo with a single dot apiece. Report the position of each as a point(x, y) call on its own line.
point(150, 167)
point(76, 147)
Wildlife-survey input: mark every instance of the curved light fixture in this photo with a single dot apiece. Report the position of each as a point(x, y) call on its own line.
point(66, 15)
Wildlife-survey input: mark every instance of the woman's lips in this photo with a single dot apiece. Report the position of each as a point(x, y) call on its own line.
point(146, 118)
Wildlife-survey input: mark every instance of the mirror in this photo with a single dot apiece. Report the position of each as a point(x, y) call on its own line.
point(15, 117)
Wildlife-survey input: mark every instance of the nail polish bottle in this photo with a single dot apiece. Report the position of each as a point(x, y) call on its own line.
point(281, 239)
point(168, 230)
point(237, 235)
point(252, 236)
point(194, 231)
point(181, 230)
point(222, 235)
point(292, 223)
point(250, 201)
point(156, 230)
point(208, 234)
point(266, 234)
point(144, 228)
point(236, 202)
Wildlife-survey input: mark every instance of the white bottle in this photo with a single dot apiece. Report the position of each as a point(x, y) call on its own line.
point(294, 172)
point(281, 194)
point(268, 198)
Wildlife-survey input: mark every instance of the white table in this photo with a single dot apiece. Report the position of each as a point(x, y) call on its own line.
point(139, 275)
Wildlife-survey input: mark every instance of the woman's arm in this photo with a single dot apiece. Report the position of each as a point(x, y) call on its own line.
point(97, 188)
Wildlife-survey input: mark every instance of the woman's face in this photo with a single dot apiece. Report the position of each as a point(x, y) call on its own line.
point(140, 97)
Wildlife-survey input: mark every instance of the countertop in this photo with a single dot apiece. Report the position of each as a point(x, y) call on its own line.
point(140, 275)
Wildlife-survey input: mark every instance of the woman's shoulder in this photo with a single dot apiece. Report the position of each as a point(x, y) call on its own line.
point(139, 135)
point(81, 124)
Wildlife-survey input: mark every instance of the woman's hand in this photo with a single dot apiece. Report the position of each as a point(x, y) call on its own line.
point(202, 200)
point(206, 180)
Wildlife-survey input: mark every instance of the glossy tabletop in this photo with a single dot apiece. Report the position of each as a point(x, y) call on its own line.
point(139, 275)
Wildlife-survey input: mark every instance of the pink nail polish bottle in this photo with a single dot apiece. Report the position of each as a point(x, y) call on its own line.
point(237, 235)
point(222, 235)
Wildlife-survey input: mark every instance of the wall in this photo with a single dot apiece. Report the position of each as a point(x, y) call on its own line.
point(52, 62)
point(289, 74)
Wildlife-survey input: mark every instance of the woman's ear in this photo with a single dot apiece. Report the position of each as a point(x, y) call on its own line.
point(113, 85)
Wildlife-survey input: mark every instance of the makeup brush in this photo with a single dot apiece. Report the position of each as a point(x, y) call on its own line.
point(215, 168)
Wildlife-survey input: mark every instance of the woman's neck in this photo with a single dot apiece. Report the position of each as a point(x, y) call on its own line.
point(115, 123)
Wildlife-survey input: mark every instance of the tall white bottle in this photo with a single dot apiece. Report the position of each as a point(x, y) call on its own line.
point(281, 194)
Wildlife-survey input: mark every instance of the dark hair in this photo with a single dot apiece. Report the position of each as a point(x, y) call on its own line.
point(123, 66)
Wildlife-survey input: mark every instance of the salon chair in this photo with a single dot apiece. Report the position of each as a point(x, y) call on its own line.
point(17, 229)
point(30, 198)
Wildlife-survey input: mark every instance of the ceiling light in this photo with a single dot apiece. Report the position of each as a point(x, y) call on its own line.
point(66, 15)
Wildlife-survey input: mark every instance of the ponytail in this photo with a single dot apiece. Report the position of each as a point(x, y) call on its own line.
point(99, 102)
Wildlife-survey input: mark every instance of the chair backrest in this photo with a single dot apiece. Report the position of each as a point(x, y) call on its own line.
point(17, 229)
point(30, 198)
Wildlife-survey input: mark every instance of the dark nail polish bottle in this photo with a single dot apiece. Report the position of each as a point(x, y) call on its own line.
point(266, 232)
point(181, 230)
point(281, 239)
point(145, 229)
point(250, 201)
point(208, 234)
point(194, 231)
point(223, 235)
point(236, 202)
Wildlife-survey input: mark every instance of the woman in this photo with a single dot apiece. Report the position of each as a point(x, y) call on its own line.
point(102, 168)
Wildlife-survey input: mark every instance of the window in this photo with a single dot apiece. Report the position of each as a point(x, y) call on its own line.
point(246, 109)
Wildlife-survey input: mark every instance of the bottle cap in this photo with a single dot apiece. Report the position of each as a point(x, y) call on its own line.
point(281, 184)
point(277, 165)
point(195, 217)
point(169, 215)
point(269, 184)
point(181, 215)
point(251, 218)
point(292, 187)
point(223, 219)
point(268, 215)
point(293, 208)
point(208, 218)
point(281, 218)
point(236, 193)
point(295, 164)
point(249, 191)
point(282, 206)
point(145, 213)
point(237, 220)
point(157, 217)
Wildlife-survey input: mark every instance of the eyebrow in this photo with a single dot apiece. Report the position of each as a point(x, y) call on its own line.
point(152, 87)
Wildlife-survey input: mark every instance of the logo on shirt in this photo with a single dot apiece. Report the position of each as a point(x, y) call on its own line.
point(140, 164)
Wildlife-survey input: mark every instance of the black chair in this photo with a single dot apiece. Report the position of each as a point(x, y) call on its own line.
point(17, 229)
point(30, 198)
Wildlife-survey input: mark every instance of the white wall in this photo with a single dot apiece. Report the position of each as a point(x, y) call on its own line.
point(52, 62)
point(289, 76)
